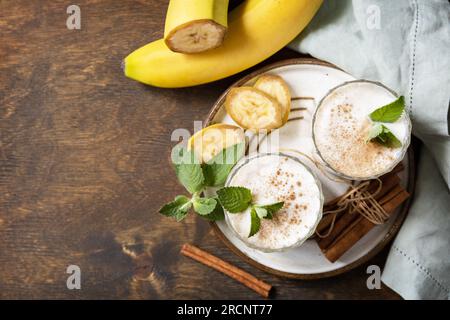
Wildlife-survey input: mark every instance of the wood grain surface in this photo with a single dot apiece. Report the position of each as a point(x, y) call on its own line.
point(83, 165)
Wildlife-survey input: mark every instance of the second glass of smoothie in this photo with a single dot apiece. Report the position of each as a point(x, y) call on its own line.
point(341, 126)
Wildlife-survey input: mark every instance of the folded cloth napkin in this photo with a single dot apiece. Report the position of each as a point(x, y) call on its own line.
point(404, 44)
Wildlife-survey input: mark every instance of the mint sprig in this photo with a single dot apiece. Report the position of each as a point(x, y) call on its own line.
point(389, 113)
point(239, 199)
point(195, 176)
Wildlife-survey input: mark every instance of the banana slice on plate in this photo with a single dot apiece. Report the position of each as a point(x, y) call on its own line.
point(253, 109)
point(211, 140)
point(278, 89)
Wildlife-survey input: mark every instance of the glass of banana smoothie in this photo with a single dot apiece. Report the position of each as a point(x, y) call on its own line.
point(341, 127)
point(275, 177)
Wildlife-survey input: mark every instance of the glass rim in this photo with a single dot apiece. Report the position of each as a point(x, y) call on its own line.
point(405, 143)
point(242, 162)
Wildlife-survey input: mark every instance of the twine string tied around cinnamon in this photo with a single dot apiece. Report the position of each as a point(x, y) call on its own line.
point(359, 200)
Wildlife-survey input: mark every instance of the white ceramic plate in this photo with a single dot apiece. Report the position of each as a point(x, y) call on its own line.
point(310, 80)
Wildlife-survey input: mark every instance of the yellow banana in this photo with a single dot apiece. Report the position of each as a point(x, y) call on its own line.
point(256, 30)
point(194, 26)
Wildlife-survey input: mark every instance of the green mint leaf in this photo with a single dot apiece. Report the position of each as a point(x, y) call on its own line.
point(235, 199)
point(271, 209)
point(188, 169)
point(387, 138)
point(204, 206)
point(390, 112)
point(255, 222)
point(261, 212)
point(390, 140)
point(217, 213)
point(217, 169)
point(178, 208)
point(181, 214)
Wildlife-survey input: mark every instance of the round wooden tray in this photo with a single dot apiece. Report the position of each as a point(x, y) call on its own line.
point(399, 218)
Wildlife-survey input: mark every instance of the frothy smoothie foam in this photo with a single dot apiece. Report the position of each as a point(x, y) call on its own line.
point(272, 178)
point(341, 127)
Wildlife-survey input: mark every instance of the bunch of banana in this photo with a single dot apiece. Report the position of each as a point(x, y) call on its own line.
point(266, 105)
point(256, 30)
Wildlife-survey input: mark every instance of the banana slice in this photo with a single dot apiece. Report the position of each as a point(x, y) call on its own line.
point(278, 89)
point(208, 142)
point(253, 109)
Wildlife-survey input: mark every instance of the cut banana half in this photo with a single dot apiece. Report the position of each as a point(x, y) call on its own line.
point(196, 36)
point(194, 26)
point(253, 109)
point(278, 89)
point(210, 141)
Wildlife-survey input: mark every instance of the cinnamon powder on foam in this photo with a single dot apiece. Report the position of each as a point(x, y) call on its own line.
point(341, 129)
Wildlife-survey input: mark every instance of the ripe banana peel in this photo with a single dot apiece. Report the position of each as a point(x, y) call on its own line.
point(256, 30)
point(194, 26)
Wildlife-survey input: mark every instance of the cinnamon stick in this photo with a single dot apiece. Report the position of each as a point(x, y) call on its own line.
point(356, 231)
point(339, 226)
point(362, 226)
point(224, 267)
point(391, 194)
point(392, 204)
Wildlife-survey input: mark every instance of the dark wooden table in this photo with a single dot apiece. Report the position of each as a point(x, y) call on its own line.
point(83, 165)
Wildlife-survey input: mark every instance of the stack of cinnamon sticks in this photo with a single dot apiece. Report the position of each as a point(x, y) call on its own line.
point(350, 227)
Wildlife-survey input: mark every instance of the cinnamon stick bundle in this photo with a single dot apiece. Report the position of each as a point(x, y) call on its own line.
point(349, 228)
point(389, 181)
point(361, 227)
point(224, 267)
